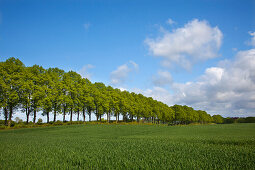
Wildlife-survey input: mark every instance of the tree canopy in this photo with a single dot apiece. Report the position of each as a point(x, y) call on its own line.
point(52, 90)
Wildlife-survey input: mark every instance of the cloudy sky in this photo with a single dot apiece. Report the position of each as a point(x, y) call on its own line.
point(200, 53)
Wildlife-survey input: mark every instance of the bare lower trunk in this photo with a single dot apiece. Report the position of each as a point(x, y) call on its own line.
point(108, 117)
point(84, 114)
point(132, 118)
point(137, 119)
point(71, 117)
point(90, 116)
point(27, 118)
point(117, 117)
point(64, 115)
point(55, 115)
point(48, 117)
point(6, 116)
point(34, 116)
point(27, 114)
point(100, 117)
point(78, 115)
point(97, 114)
point(10, 116)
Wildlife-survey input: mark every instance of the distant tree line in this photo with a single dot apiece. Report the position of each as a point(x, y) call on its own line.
point(54, 91)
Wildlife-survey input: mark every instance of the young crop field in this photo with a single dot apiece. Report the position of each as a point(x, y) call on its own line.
point(228, 146)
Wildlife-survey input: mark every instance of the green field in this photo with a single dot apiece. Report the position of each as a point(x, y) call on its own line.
point(228, 146)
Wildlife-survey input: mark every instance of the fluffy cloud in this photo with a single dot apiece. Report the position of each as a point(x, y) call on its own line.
point(120, 75)
point(157, 93)
point(228, 89)
point(84, 71)
point(162, 78)
point(196, 41)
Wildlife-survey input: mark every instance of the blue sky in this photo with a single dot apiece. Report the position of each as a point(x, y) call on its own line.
point(164, 49)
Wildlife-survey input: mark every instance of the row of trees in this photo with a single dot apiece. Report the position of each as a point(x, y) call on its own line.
point(54, 91)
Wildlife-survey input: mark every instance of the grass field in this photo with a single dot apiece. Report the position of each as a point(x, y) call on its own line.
point(228, 146)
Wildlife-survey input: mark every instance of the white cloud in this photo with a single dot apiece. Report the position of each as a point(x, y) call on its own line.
point(228, 89)
point(86, 26)
point(170, 21)
point(196, 41)
point(84, 71)
point(120, 75)
point(159, 94)
point(162, 78)
point(252, 41)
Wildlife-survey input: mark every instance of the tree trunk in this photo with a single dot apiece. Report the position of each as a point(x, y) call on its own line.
point(48, 117)
point(132, 118)
point(97, 113)
point(109, 117)
point(117, 117)
point(71, 117)
point(34, 115)
point(137, 119)
point(64, 115)
point(27, 118)
point(6, 116)
point(90, 116)
point(55, 115)
point(84, 114)
point(27, 114)
point(10, 116)
point(100, 116)
point(78, 115)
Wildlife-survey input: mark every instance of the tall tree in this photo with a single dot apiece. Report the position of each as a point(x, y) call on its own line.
point(26, 92)
point(39, 78)
point(71, 80)
point(11, 75)
point(55, 77)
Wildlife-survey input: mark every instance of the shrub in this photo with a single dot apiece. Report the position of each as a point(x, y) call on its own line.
point(20, 125)
point(250, 119)
point(39, 122)
point(58, 122)
point(2, 126)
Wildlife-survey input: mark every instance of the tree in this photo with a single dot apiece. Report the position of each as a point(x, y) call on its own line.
point(26, 92)
point(99, 97)
point(38, 92)
point(33, 89)
point(180, 114)
point(218, 119)
point(71, 81)
point(11, 75)
point(55, 77)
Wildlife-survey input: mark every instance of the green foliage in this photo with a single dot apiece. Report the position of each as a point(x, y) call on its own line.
point(58, 122)
point(229, 120)
point(54, 91)
point(39, 121)
point(221, 146)
point(218, 118)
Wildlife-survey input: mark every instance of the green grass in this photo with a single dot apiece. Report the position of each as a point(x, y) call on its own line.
point(229, 146)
